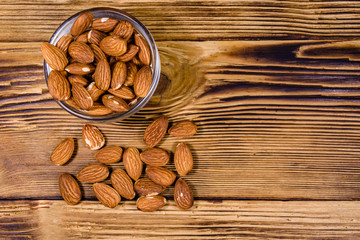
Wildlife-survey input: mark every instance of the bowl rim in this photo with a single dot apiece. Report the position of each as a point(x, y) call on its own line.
point(155, 66)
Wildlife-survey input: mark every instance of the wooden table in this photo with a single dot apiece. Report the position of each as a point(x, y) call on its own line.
point(272, 85)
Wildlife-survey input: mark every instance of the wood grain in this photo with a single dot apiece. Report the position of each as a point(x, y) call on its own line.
point(206, 220)
point(274, 121)
point(195, 20)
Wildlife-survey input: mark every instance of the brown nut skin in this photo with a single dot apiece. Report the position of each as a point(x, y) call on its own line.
point(156, 131)
point(146, 187)
point(63, 152)
point(183, 195)
point(93, 173)
point(69, 189)
point(160, 175)
point(150, 203)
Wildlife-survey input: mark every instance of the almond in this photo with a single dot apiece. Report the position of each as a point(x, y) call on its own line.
point(135, 60)
point(113, 46)
point(83, 37)
point(132, 162)
point(124, 29)
point(183, 129)
point(73, 79)
point(81, 23)
point(183, 195)
point(144, 50)
point(155, 157)
point(107, 195)
point(93, 173)
point(59, 87)
point(54, 56)
point(122, 183)
point(132, 50)
point(163, 176)
point(183, 159)
point(123, 92)
point(64, 42)
point(105, 24)
point(92, 137)
point(80, 68)
point(103, 74)
point(156, 131)
point(94, 91)
point(98, 53)
point(81, 52)
point(144, 186)
point(150, 203)
point(118, 75)
point(81, 96)
point(115, 103)
point(63, 152)
point(143, 81)
point(130, 74)
point(95, 36)
point(69, 189)
point(99, 110)
point(109, 154)
point(72, 103)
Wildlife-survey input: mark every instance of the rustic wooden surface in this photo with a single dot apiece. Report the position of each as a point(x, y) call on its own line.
point(272, 85)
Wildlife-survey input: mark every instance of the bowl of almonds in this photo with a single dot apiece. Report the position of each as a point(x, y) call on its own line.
point(101, 64)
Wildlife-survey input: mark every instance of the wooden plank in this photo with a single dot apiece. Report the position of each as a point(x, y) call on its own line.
point(276, 120)
point(195, 20)
point(206, 220)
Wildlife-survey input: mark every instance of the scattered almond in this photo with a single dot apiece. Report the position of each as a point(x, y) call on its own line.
point(183, 159)
point(155, 157)
point(144, 186)
point(122, 183)
point(109, 154)
point(183, 195)
point(183, 129)
point(69, 189)
point(133, 164)
point(63, 152)
point(93, 173)
point(150, 203)
point(107, 195)
point(160, 175)
point(156, 131)
point(92, 137)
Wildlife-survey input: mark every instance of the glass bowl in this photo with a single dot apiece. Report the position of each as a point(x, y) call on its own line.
point(155, 65)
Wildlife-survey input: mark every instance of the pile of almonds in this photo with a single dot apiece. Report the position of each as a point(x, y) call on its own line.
point(148, 189)
point(101, 68)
